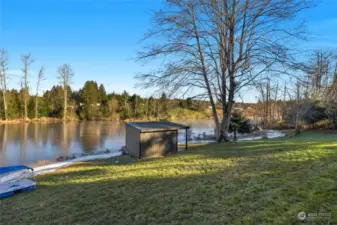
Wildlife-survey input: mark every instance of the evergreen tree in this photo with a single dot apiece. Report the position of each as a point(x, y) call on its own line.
point(135, 105)
point(14, 104)
point(151, 108)
point(239, 124)
point(125, 106)
point(54, 99)
point(102, 94)
point(90, 98)
point(163, 104)
point(113, 107)
point(105, 112)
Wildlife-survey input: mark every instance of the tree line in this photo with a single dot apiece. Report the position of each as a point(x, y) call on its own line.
point(21, 104)
point(92, 102)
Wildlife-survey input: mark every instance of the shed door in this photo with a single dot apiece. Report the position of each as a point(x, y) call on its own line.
point(158, 143)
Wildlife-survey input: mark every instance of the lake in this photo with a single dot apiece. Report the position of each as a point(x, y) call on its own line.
point(30, 143)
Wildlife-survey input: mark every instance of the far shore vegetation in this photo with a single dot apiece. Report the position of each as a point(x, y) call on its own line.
point(92, 102)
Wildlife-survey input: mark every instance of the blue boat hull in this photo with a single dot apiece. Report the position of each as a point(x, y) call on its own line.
point(15, 187)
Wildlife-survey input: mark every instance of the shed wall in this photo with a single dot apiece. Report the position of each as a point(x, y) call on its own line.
point(132, 141)
point(160, 143)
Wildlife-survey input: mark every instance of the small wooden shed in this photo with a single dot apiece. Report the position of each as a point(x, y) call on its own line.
point(152, 139)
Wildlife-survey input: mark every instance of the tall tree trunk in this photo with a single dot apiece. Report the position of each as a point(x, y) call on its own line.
point(66, 74)
point(227, 114)
point(27, 61)
point(230, 67)
point(3, 79)
point(65, 104)
point(205, 74)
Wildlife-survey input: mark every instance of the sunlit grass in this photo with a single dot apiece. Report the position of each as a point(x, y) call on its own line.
point(255, 182)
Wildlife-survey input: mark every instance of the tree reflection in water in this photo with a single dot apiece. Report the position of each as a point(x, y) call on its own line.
point(28, 143)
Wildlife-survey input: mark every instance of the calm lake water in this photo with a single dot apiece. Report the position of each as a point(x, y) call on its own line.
point(35, 142)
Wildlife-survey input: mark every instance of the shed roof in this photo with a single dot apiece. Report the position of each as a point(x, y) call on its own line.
point(157, 126)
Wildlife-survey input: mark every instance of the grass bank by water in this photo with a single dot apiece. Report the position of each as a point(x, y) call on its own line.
point(253, 182)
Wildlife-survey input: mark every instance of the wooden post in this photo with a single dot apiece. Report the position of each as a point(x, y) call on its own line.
point(186, 139)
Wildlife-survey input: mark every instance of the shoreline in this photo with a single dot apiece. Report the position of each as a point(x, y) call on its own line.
point(40, 170)
point(52, 166)
point(57, 120)
point(39, 120)
point(53, 120)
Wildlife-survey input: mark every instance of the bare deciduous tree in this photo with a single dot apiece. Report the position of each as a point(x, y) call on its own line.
point(40, 78)
point(27, 61)
point(3, 78)
point(219, 47)
point(319, 70)
point(263, 88)
point(66, 75)
point(300, 106)
point(330, 95)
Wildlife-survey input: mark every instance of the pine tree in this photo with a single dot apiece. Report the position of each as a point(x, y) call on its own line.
point(90, 97)
point(239, 124)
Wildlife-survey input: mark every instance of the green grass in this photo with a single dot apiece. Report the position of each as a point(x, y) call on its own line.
point(256, 182)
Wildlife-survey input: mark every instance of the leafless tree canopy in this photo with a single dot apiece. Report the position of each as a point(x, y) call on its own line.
point(27, 60)
point(217, 47)
point(66, 75)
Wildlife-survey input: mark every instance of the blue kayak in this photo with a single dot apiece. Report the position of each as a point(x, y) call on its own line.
point(13, 180)
point(15, 187)
point(10, 169)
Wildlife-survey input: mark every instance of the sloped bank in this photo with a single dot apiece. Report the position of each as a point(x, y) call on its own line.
point(40, 170)
point(65, 161)
point(55, 166)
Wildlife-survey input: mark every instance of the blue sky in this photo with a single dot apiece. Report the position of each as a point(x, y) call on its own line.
point(99, 38)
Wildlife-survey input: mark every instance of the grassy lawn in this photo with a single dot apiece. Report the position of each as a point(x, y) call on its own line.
point(255, 182)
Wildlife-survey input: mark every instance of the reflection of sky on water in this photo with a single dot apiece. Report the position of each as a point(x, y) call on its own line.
point(29, 143)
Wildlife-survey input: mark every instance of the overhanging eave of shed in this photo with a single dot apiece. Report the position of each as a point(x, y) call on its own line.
point(157, 126)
